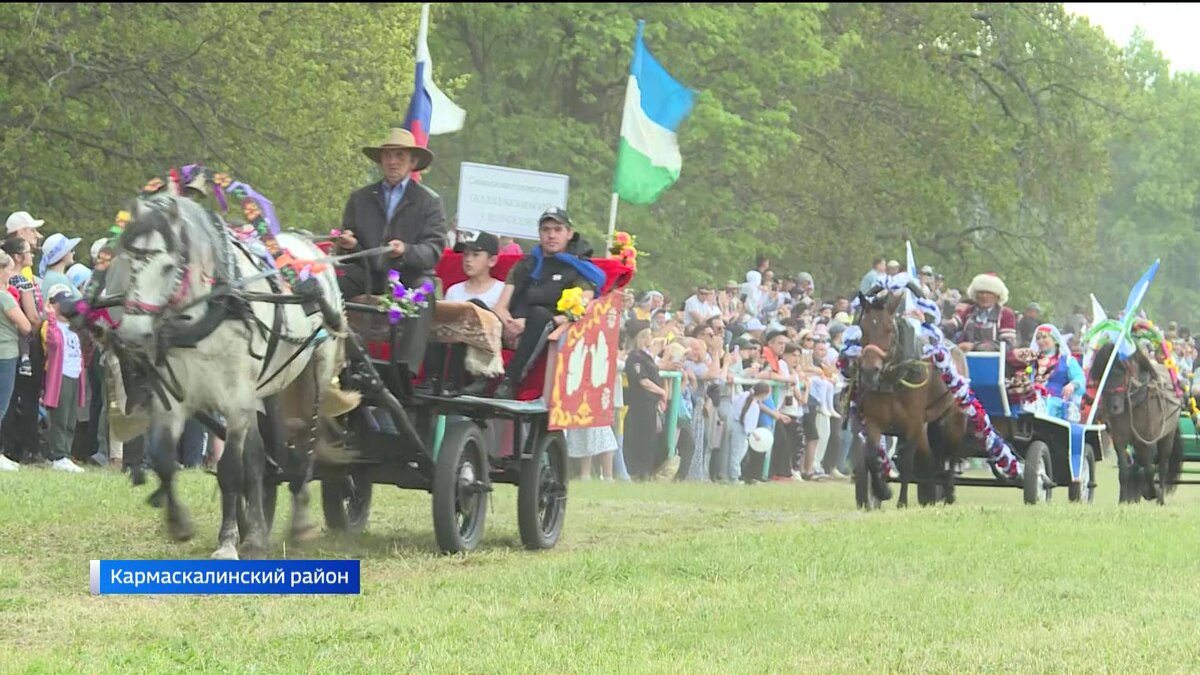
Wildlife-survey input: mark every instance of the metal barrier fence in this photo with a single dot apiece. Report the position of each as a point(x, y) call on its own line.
point(671, 423)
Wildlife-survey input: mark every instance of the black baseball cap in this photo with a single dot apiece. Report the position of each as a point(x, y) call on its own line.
point(482, 242)
point(556, 214)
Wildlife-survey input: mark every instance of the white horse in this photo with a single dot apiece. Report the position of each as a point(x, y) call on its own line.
point(202, 349)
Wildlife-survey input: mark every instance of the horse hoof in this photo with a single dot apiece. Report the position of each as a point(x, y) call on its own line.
point(225, 552)
point(253, 552)
point(303, 534)
point(181, 529)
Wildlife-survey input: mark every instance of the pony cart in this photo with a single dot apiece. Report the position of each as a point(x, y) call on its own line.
point(923, 397)
point(458, 447)
point(1056, 452)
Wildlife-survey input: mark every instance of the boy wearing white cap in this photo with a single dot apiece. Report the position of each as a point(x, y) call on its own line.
point(62, 394)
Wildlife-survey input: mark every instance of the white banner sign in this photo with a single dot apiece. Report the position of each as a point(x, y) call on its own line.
point(506, 201)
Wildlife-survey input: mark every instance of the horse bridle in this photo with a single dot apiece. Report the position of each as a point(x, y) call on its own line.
point(1126, 389)
point(180, 286)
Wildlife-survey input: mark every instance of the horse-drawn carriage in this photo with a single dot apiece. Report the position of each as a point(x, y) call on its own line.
point(458, 447)
point(243, 327)
point(910, 383)
point(1056, 452)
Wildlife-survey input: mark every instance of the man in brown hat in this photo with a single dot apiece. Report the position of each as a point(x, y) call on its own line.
point(397, 211)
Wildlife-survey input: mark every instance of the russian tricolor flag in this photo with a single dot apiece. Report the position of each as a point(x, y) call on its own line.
point(430, 112)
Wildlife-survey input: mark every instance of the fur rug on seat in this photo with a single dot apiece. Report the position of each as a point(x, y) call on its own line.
point(453, 323)
point(478, 328)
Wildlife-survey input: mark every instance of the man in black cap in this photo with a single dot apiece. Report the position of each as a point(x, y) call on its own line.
point(397, 211)
point(529, 304)
point(479, 257)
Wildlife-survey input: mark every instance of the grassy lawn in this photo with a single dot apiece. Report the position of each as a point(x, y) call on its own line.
point(661, 578)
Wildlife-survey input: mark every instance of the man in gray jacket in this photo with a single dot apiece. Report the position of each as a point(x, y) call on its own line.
point(397, 211)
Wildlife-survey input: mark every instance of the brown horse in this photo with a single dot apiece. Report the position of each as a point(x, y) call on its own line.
point(1140, 410)
point(902, 394)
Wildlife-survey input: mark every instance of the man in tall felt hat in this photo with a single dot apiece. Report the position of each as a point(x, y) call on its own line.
point(986, 323)
point(397, 211)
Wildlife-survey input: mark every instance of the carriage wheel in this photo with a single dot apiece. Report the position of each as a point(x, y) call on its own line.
point(460, 489)
point(1085, 490)
point(1037, 471)
point(346, 502)
point(542, 492)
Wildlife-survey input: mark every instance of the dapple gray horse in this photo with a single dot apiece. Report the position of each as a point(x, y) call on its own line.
point(203, 348)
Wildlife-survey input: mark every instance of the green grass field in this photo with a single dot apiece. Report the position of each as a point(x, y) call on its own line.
point(661, 578)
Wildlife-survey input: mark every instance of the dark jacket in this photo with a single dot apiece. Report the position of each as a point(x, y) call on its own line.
point(556, 276)
point(419, 222)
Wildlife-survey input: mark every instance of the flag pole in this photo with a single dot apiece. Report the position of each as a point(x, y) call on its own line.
point(612, 219)
point(616, 197)
point(1116, 354)
point(1135, 300)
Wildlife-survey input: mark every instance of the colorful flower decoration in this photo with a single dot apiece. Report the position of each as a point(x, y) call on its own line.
point(571, 303)
point(122, 219)
point(624, 249)
point(404, 302)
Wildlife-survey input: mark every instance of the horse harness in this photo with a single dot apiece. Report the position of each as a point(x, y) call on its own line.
point(898, 374)
point(1136, 391)
point(224, 303)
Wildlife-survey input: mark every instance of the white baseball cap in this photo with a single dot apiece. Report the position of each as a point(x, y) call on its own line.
point(22, 220)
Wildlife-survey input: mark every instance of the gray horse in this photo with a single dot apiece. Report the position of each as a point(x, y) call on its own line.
point(188, 344)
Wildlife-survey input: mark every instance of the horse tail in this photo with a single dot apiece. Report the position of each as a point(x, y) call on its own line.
point(1175, 462)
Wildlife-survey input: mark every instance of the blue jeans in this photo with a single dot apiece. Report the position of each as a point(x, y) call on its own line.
point(8, 378)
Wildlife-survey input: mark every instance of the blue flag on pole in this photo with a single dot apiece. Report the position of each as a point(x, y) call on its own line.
point(1136, 295)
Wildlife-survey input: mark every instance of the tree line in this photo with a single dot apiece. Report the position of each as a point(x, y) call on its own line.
point(1013, 138)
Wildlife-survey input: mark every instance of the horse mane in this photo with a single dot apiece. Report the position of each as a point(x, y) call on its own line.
point(148, 221)
point(197, 233)
point(1140, 360)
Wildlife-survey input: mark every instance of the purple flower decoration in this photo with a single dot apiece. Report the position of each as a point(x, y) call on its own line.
point(426, 288)
point(395, 315)
point(394, 276)
point(399, 292)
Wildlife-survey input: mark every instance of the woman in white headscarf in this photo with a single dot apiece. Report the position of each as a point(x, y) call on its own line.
point(752, 295)
point(1056, 375)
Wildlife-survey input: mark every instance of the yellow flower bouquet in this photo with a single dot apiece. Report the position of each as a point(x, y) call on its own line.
point(571, 304)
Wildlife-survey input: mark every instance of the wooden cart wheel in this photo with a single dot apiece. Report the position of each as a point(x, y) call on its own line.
point(542, 492)
point(1085, 490)
point(460, 489)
